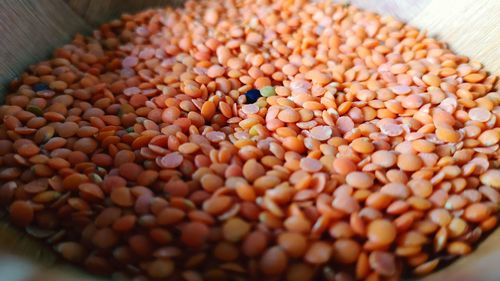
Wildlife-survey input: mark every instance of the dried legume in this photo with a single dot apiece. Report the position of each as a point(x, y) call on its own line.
point(260, 140)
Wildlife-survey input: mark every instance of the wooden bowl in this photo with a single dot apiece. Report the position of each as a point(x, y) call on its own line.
point(31, 29)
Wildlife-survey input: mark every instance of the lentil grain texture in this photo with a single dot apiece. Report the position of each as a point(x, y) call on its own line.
point(254, 140)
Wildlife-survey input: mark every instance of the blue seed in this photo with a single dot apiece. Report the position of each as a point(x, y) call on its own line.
point(40, 87)
point(252, 95)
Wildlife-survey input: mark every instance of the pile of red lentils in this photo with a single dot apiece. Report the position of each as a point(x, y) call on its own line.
point(371, 151)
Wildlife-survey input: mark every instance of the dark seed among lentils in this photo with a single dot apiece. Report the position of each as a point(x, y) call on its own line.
point(252, 95)
point(40, 87)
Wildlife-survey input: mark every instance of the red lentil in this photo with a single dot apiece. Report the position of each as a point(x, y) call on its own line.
point(366, 145)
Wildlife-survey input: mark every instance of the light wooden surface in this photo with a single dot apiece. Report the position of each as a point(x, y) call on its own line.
point(31, 29)
point(96, 12)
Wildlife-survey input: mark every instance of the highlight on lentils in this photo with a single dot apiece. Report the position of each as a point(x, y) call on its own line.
point(254, 140)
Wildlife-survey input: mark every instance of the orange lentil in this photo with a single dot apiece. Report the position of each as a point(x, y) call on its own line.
point(21, 213)
point(254, 244)
point(318, 253)
point(122, 196)
point(194, 234)
point(423, 146)
point(289, 115)
point(476, 212)
point(273, 261)
point(381, 231)
point(300, 272)
point(409, 162)
point(344, 166)
point(431, 80)
point(362, 145)
point(383, 263)
point(447, 134)
point(384, 158)
point(294, 244)
point(359, 180)
point(346, 251)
